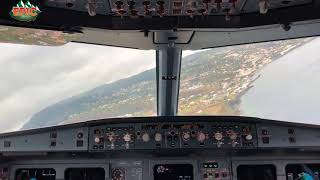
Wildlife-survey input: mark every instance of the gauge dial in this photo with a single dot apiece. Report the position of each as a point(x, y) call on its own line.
point(127, 137)
point(218, 136)
point(201, 136)
point(158, 137)
point(145, 137)
point(186, 136)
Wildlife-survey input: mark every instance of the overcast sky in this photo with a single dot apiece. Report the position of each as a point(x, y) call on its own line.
point(33, 77)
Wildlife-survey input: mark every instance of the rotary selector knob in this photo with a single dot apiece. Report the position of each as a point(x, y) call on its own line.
point(249, 137)
point(97, 140)
point(233, 136)
point(158, 137)
point(127, 137)
point(201, 136)
point(186, 136)
point(218, 136)
point(145, 137)
point(111, 137)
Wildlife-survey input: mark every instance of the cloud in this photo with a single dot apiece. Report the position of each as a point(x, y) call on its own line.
point(33, 77)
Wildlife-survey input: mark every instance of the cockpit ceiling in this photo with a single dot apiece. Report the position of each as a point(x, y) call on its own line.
point(199, 39)
point(186, 39)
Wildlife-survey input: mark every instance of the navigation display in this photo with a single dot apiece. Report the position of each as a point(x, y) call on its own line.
point(303, 171)
point(36, 174)
point(173, 172)
point(85, 174)
point(255, 172)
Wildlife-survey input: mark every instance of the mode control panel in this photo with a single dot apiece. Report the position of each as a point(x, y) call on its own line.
point(172, 136)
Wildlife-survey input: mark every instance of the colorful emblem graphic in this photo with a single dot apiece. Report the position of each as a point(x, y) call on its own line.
point(25, 11)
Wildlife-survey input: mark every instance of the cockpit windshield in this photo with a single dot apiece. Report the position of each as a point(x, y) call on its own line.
point(274, 80)
point(46, 86)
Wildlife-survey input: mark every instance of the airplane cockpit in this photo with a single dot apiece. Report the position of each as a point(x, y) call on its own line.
point(159, 90)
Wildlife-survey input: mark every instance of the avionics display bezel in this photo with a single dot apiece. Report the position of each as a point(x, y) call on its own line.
point(173, 172)
point(94, 173)
point(253, 172)
point(50, 174)
point(293, 171)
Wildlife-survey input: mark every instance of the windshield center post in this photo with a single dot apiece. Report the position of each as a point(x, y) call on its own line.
point(168, 80)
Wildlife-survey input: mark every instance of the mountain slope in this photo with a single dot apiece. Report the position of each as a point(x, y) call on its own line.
point(211, 82)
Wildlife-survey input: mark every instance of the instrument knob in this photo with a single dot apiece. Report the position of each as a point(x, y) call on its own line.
point(201, 136)
point(233, 136)
point(127, 137)
point(218, 136)
point(111, 137)
point(186, 136)
point(158, 137)
point(145, 137)
point(249, 137)
point(97, 140)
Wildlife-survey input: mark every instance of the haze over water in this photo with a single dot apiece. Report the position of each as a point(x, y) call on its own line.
point(288, 88)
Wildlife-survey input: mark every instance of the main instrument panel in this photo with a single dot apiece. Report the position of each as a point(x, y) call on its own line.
point(202, 133)
point(157, 148)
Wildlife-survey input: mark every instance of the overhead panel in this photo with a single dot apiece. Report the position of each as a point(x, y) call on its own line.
point(101, 6)
point(149, 8)
point(250, 6)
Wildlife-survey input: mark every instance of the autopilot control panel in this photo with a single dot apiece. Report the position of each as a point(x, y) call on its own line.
point(172, 135)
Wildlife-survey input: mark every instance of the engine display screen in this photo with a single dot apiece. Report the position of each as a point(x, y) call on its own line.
point(173, 172)
point(85, 174)
point(254, 172)
point(35, 174)
point(303, 171)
